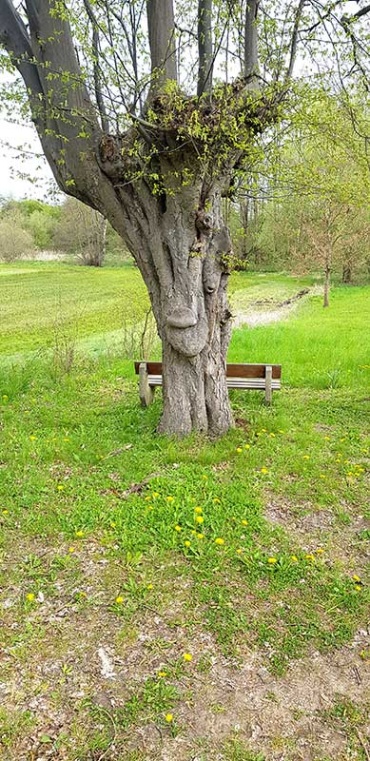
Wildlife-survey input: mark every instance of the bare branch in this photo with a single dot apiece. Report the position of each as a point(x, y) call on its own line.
point(250, 46)
point(294, 41)
point(14, 38)
point(205, 47)
point(161, 27)
point(96, 66)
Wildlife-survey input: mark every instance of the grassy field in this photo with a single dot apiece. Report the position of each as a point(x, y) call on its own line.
point(194, 600)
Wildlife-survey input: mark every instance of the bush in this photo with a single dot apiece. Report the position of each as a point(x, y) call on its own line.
point(14, 242)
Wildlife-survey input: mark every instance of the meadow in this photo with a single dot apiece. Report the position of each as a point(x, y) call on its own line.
point(203, 600)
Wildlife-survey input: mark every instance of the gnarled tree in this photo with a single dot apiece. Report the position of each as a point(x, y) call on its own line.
point(156, 150)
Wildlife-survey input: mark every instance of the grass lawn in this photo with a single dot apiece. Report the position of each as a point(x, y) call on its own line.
point(182, 600)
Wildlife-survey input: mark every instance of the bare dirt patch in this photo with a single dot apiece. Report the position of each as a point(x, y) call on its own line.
point(313, 527)
point(267, 311)
point(71, 664)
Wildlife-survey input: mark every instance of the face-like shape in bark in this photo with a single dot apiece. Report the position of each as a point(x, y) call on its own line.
point(187, 329)
point(190, 319)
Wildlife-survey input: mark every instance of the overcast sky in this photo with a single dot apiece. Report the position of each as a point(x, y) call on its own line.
point(16, 166)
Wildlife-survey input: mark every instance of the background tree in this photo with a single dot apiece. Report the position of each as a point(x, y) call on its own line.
point(315, 216)
point(81, 231)
point(154, 148)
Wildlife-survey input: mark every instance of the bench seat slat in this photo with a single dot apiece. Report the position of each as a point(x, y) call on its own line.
point(156, 380)
point(232, 370)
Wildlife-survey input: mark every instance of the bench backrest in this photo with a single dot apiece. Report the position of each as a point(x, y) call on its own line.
point(232, 371)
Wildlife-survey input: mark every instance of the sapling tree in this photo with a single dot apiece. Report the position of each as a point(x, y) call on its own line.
point(147, 112)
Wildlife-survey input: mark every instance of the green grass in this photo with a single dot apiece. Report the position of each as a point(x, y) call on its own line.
point(245, 545)
point(43, 302)
point(318, 348)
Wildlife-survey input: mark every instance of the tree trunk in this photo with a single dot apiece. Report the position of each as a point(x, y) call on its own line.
point(347, 273)
point(327, 285)
point(194, 321)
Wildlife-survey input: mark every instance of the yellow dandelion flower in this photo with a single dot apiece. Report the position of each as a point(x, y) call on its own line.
point(187, 657)
point(219, 541)
point(356, 577)
point(79, 534)
point(30, 597)
point(294, 558)
point(155, 494)
point(5, 512)
point(147, 499)
point(306, 456)
point(178, 528)
point(200, 536)
point(162, 674)
point(239, 450)
point(150, 586)
point(309, 556)
point(272, 560)
point(33, 438)
point(264, 471)
point(119, 600)
point(187, 543)
point(198, 509)
point(319, 551)
point(239, 551)
point(358, 587)
point(247, 446)
point(71, 549)
point(199, 519)
point(60, 487)
point(169, 717)
point(170, 499)
point(244, 523)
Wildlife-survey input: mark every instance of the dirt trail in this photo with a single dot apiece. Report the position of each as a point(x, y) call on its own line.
point(280, 311)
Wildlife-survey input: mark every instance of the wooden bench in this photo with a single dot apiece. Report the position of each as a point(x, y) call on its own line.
point(265, 378)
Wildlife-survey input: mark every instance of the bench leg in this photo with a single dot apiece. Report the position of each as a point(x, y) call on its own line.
point(268, 392)
point(146, 392)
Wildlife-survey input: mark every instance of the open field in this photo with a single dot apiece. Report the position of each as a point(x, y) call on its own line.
point(218, 610)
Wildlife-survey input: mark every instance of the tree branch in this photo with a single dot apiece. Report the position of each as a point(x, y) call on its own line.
point(250, 44)
point(161, 27)
point(14, 38)
point(96, 66)
point(205, 50)
point(294, 41)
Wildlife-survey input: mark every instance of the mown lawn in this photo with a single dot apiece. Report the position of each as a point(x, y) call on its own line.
point(194, 599)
